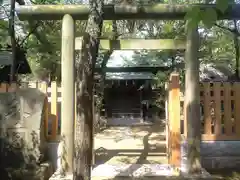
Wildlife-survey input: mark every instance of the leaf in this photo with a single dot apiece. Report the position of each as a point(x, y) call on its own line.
point(193, 17)
point(3, 24)
point(193, 13)
point(222, 5)
point(209, 17)
point(107, 26)
point(167, 28)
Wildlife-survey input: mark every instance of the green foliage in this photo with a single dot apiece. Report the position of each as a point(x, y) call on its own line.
point(222, 5)
point(44, 45)
point(193, 17)
point(207, 16)
point(3, 33)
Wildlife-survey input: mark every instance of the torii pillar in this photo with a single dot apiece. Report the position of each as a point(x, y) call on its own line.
point(66, 147)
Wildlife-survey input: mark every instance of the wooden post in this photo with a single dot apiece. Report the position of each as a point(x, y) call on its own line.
point(44, 89)
point(174, 120)
point(3, 87)
point(94, 121)
point(166, 116)
point(207, 112)
point(217, 105)
point(192, 102)
point(54, 113)
point(68, 92)
point(237, 107)
point(12, 87)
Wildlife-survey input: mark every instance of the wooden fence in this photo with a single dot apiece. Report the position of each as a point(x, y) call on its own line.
point(220, 114)
point(220, 110)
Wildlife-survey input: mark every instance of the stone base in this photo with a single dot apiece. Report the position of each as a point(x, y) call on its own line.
point(137, 172)
point(57, 176)
point(44, 172)
point(107, 171)
point(216, 154)
point(202, 175)
point(228, 162)
point(134, 170)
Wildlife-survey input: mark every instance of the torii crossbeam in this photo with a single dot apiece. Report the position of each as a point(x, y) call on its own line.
point(69, 13)
point(119, 12)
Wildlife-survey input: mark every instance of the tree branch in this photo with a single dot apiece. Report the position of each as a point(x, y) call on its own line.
point(34, 28)
point(234, 31)
point(30, 32)
point(109, 52)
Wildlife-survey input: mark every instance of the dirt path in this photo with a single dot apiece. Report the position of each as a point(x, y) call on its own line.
point(130, 149)
point(141, 145)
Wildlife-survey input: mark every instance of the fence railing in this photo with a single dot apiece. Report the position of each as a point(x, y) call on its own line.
point(220, 110)
point(220, 114)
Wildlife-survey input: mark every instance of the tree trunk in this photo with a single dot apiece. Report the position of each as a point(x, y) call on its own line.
point(236, 45)
point(106, 57)
point(13, 41)
point(84, 93)
point(192, 102)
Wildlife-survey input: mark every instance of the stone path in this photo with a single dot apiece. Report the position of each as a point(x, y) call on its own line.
point(131, 151)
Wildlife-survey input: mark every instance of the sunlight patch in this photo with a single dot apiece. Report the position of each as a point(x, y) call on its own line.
point(134, 170)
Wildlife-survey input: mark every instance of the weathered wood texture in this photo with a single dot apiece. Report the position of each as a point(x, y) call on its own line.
point(174, 134)
point(134, 44)
point(220, 119)
point(118, 12)
point(220, 115)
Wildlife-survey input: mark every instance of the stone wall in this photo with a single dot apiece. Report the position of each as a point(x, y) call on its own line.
point(22, 138)
point(216, 154)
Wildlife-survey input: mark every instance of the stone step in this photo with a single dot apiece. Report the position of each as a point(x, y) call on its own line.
point(156, 158)
point(139, 172)
point(158, 178)
point(146, 172)
point(126, 171)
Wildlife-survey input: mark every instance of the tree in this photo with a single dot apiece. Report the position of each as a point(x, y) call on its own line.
point(88, 59)
point(84, 92)
point(232, 29)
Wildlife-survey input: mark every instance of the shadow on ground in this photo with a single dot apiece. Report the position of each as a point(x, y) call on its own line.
point(131, 145)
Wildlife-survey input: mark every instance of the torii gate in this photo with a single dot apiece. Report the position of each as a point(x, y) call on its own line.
point(69, 13)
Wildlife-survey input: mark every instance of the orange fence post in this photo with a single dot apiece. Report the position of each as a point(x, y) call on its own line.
point(3, 87)
point(217, 101)
point(75, 104)
point(174, 120)
point(227, 108)
point(43, 88)
point(206, 104)
point(166, 116)
point(12, 87)
point(54, 114)
point(237, 107)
